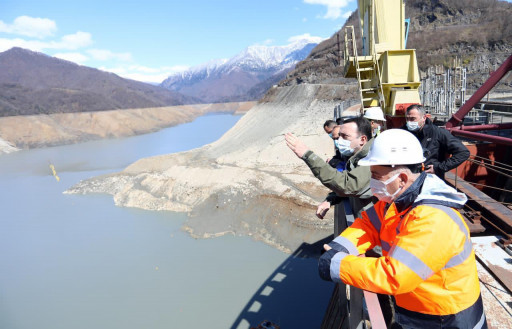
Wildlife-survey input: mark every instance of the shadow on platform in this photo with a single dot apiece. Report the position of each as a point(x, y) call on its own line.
point(293, 296)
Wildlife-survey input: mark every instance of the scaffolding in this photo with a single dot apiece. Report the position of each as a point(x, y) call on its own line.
point(443, 90)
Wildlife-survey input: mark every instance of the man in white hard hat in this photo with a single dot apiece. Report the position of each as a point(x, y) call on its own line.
point(377, 120)
point(427, 263)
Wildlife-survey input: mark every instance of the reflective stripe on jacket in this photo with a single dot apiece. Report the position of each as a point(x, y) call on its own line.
point(428, 262)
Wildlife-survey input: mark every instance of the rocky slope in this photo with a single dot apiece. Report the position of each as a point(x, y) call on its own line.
point(67, 128)
point(478, 32)
point(247, 182)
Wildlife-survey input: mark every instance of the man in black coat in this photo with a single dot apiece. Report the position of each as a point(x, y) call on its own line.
point(437, 142)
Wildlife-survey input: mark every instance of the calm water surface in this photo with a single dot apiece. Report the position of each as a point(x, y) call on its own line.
point(74, 261)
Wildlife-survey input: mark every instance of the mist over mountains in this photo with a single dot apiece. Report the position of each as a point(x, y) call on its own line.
point(246, 76)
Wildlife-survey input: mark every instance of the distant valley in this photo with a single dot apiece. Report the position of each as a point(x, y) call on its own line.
point(59, 102)
point(34, 83)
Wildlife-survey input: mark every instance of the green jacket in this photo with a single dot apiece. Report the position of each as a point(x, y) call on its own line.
point(353, 182)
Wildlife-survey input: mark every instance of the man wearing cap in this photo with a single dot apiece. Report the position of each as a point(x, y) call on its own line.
point(428, 263)
point(376, 117)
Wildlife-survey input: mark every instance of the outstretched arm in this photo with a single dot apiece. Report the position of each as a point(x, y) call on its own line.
point(295, 144)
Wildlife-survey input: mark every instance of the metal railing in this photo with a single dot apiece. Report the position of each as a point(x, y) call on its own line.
point(351, 301)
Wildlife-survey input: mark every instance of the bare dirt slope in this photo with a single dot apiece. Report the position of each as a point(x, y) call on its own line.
point(32, 131)
point(247, 182)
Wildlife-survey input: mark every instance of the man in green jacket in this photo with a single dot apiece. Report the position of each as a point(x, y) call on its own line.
point(354, 181)
point(350, 187)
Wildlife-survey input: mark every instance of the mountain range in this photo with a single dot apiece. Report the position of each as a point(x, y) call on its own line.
point(34, 83)
point(478, 32)
point(246, 76)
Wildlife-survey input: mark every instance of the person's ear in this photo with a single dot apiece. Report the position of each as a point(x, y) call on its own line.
point(404, 178)
point(364, 139)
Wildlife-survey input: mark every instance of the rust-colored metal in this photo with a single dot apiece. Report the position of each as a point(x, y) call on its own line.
point(493, 210)
point(395, 121)
point(497, 300)
point(505, 242)
point(495, 77)
point(497, 126)
point(472, 219)
point(482, 137)
point(476, 170)
point(494, 258)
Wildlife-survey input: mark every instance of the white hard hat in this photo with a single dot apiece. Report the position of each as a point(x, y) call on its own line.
point(394, 147)
point(374, 113)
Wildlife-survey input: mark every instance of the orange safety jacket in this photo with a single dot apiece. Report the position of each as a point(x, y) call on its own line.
point(427, 262)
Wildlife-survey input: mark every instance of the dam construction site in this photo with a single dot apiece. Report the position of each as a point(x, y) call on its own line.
point(249, 183)
point(453, 58)
point(387, 76)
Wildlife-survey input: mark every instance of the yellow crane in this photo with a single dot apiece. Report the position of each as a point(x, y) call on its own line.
point(387, 72)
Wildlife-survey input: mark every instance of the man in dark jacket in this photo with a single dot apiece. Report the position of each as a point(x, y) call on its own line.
point(436, 142)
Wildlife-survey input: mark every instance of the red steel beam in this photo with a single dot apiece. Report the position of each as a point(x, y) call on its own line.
point(498, 213)
point(497, 126)
point(374, 310)
point(482, 137)
point(495, 77)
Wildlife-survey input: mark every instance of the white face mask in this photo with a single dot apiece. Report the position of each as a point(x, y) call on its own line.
point(343, 146)
point(412, 125)
point(379, 189)
point(376, 131)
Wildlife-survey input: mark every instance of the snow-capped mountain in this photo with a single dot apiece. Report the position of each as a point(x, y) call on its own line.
point(246, 76)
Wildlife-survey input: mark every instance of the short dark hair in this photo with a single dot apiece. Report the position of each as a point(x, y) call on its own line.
point(342, 120)
point(414, 168)
point(329, 123)
point(364, 126)
point(417, 107)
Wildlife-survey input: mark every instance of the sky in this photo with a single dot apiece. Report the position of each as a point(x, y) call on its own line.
point(149, 40)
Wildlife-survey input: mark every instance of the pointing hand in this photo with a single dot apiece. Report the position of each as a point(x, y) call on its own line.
point(295, 144)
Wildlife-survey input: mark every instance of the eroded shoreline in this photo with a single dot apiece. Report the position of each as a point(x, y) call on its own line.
point(246, 183)
point(35, 131)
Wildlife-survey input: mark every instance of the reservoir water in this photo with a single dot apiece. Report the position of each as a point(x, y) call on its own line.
point(75, 261)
